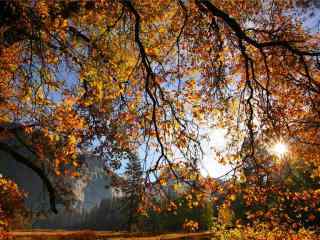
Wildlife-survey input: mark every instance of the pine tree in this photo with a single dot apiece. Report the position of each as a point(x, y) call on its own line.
point(132, 189)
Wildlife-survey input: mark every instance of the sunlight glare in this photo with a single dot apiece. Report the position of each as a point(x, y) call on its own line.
point(218, 138)
point(217, 141)
point(280, 149)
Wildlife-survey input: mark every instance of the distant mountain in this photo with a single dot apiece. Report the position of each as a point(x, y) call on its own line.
point(90, 194)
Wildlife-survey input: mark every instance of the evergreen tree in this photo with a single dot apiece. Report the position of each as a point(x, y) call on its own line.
point(132, 189)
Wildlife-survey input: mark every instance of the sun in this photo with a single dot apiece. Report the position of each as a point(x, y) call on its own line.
point(279, 149)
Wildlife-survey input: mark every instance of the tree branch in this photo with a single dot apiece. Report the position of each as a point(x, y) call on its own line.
point(23, 160)
point(234, 25)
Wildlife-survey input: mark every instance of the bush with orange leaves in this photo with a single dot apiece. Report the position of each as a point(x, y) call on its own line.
point(12, 209)
point(262, 232)
point(190, 225)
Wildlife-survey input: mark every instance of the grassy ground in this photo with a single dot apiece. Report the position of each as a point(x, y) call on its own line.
point(88, 235)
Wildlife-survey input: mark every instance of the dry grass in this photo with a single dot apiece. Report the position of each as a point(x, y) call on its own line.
point(90, 235)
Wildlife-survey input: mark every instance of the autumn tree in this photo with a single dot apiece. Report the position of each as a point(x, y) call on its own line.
point(107, 76)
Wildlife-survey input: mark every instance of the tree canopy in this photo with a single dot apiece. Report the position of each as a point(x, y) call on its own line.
point(117, 76)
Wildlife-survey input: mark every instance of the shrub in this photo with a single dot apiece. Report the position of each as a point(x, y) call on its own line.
point(12, 209)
